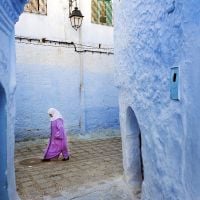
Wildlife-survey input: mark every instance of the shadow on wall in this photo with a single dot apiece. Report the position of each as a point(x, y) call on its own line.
point(133, 161)
point(3, 146)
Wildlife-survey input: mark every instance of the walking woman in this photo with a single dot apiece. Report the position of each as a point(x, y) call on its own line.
point(58, 140)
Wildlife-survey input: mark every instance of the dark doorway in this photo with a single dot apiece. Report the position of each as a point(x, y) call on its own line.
point(133, 161)
point(3, 146)
point(141, 159)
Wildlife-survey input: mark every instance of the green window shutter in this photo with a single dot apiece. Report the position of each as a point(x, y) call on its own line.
point(102, 11)
point(108, 12)
point(32, 6)
point(36, 6)
point(43, 7)
point(95, 11)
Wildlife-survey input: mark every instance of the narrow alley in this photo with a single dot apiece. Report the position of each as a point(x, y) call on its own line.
point(92, 162)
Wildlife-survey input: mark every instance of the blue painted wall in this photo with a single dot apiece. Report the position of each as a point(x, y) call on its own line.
point(41, 87)
point(101, 101)
point(9, 13)
point(51, 77)
point(158, 35)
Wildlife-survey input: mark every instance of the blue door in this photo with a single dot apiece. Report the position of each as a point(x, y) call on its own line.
point(3, 146)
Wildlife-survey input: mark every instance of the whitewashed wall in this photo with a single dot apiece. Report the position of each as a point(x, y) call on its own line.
point(56, 25)
point(81, 86)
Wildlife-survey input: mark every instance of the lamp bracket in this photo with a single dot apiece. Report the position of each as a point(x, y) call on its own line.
point(71, 5)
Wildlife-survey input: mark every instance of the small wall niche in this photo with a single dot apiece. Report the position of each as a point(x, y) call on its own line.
point(174, 83)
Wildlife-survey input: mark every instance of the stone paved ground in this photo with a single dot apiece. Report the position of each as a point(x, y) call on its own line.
point(93, 163)
point(106, 190)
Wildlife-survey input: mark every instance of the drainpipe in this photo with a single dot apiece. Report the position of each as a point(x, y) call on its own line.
point(81, 89)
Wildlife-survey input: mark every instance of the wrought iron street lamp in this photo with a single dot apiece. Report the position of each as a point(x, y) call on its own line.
point(75, 15)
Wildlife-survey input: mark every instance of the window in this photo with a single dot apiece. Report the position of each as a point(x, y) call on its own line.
point(102, 12)
point(36, 6)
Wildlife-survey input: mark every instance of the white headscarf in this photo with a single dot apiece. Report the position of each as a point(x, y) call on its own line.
point(55, 113)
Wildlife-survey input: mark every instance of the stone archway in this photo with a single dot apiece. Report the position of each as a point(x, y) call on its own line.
point(9, 14)
point(3, 146)
point(132, 152)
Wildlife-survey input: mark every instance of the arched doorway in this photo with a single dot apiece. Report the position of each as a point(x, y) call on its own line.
point(3, 146)
point(132, 158)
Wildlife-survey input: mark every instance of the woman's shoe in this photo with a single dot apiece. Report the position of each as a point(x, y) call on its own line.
point(65, 159)
point(46, 160)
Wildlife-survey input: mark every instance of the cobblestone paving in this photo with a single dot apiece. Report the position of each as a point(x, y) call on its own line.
point(106, 190)
point(91, 161)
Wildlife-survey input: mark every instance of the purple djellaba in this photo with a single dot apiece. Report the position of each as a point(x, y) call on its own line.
point(58, 140)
